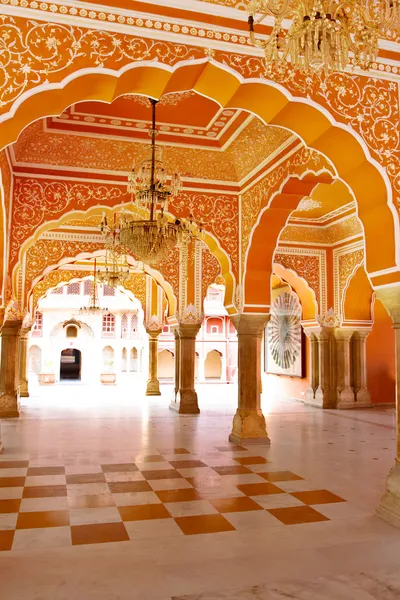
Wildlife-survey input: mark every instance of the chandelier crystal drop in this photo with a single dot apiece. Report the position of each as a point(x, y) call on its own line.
point(116, 269)
point(151, 240)
point(93, 307)
point(322, 36)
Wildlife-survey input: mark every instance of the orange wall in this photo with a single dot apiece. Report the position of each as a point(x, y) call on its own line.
point(291, 387)
point(380, 357)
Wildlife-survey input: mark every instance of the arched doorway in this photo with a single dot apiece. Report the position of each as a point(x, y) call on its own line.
point(124, 361)
point(134, 361)
point(35, 360)
point(213, 365)
point(70, 364)
point(166, 365)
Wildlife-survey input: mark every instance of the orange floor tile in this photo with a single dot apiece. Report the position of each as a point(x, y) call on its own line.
point(228, 505)
point(204, 524)
point(295, 515)
point(317, 497)
point(259, 489)
point(143, 513)
point(99, 534)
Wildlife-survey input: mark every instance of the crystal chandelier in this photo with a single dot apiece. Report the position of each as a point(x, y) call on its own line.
point(151, 240)
point(116, 270)
point(322, 35)
point(93, 306)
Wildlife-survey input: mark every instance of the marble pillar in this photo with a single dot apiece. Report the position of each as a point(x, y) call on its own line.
point(9, 396)
point(249, 421)
point(359, 365)
point(389, 508)
point(153, 385)
point(345, 397)
point(186, 401)
point(23, 363)
point(314, 366)
point(177, 361)
point(326, 390)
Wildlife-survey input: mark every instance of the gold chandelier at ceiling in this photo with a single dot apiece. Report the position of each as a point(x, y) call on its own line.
point(317, 36)
point(150, 240)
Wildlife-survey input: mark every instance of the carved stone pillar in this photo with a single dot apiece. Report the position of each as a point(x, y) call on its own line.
point(153, 385)
point(249, 421)
point(345, 392)
point(186, 401)
point(314, 366)
point(177, 362)
point(10, 368)
point(389, 508)
point(325, 393)
point(23, 362)
point(359, 365)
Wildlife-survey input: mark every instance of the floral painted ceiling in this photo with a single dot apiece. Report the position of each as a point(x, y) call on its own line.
point(200, 140)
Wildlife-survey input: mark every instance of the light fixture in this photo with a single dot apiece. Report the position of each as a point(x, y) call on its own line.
point(316, 36)
point(116, 268)
point(151, 240)
point(93, 306)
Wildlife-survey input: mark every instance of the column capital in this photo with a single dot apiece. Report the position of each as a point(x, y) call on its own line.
point(188, 330)
point(248, 324)
point(153, 333)
point(11, 327)
point(343, 333)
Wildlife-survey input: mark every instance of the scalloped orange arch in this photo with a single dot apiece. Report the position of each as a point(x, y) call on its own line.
point(269, 101)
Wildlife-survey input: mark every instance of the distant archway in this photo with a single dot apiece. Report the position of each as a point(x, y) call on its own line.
point(133, 366)
point(166, 365)
point(35, 360)
point(213, 365)
point(70, 364)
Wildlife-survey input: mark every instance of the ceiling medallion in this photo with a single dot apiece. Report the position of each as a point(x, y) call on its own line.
point(150, 240)
point(323, 36)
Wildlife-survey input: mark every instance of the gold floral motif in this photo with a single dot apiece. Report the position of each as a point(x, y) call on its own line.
point(260, 194)
point(253, 145)
point(321, 235)
point(346, 266)
point(52, 280)
point(38, 201)
point(49, 252)
point(211, 269)
point(136, 283)
point(307, 267)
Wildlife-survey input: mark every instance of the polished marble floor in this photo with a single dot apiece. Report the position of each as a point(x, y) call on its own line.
point(107, 494)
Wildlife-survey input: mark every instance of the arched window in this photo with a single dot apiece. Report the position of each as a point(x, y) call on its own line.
point(71, 331)
point(213, 365)
point(124, 326)
point(108, 291)
point(74, 289)
point(38, 325)
point(134, 325)
point(134, 360)
point(124, 361)
point(108, 329)
point(87, 287)
point(214, 326)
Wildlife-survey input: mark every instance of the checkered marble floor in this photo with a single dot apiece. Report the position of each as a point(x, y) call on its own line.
point(173, 492)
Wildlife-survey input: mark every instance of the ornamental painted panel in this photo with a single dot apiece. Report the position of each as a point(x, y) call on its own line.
point(283, 337)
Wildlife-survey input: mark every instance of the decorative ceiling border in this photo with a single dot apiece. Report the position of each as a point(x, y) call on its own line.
point(161, 27)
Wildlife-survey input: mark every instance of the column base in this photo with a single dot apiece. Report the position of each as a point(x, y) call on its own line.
point(346, 399)
point(23, 390)
point(249, 425)
point(389, 508)
point(186, 403)
point(363, 399)
point(9, 406)
point(153, 388)
point(323, 399)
